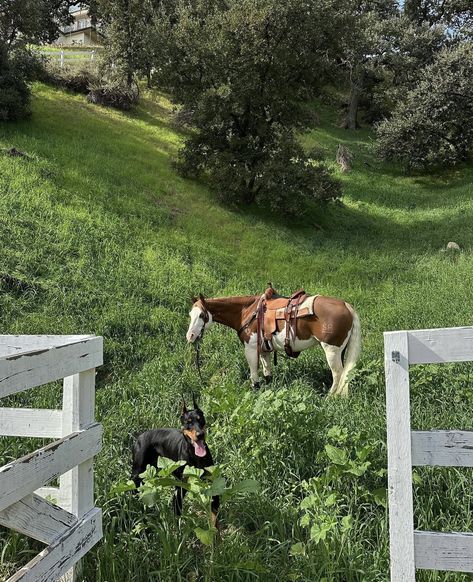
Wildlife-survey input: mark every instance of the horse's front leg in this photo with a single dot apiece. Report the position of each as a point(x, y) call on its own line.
point(266, 363)
point(251, 354)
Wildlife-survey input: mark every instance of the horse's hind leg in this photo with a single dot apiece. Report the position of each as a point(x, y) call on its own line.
point(334, 360)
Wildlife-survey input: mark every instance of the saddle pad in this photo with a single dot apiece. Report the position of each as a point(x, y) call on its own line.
point(305, 308)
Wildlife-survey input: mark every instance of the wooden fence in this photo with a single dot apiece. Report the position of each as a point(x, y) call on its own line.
point(64, 518)
point(70, 57)
point(446, 448)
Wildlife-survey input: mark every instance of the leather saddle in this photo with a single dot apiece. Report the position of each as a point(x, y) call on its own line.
point(289, 309)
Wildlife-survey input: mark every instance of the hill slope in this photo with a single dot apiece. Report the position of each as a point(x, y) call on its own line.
point(105, 238)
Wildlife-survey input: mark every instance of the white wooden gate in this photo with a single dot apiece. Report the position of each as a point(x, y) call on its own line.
point(63, 518)
point(446, 448)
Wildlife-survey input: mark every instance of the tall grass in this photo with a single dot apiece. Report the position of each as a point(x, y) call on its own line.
point(109, 240)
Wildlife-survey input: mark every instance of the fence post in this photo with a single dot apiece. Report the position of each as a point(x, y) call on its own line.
point(77, 486)
point(92, 55)
point(62, 58)
point(398, 416)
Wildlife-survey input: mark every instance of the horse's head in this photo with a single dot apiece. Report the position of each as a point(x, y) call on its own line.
point(201, 319)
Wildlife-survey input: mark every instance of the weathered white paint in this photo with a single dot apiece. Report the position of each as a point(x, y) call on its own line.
point(31, 422)
point(444, 551)
point(37, 366)
point(37, 518)
point(25, 475)
point(401, 523)
point(443, 448)
point(432, 550)
point(77, 485)
point(27, 361)
point(434, 346)
point(63, 553)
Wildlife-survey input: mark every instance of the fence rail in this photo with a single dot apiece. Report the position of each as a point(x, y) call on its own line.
point(71, 525)
point(66, 56)
point(412, 549)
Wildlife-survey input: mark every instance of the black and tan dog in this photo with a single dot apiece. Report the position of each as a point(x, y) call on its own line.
point(187, 444)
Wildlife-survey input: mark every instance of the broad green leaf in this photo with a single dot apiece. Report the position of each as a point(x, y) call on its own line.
point(149, 497)
point(122, 488)
point(245, 486)
point(336, 455)
point(347, 522)
point(217, 487)
point(305, 520)
point(331, 500)
point(308, 502)
point(167, 466)
point(206, 536)
point(193, 471)
point(380, 496)
point(297, 549)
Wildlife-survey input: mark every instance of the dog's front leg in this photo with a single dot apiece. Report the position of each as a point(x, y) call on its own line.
point(178, 500)
point(214, 508)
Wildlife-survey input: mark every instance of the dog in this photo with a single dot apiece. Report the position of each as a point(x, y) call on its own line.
point(184, 444)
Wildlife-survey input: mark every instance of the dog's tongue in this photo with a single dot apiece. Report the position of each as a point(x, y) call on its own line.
point(199, 448)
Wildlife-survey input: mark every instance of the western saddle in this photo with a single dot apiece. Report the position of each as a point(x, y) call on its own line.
point(272, 308)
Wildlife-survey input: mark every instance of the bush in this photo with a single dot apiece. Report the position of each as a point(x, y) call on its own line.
point(279, 176)
point(76, 79)
point(114, 94)
point(433, 125)
point(14, 91)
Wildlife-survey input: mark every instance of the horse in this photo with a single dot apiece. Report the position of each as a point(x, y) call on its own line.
point(293, 324)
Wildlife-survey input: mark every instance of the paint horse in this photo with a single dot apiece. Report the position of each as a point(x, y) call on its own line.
point(269, 322)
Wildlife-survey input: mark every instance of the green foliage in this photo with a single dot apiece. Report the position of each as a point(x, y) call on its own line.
point(32, 21)
point(77, 79)
point(240, 69)
point(14, 92)
point(200, 486)
point(113, 92)
point(433, 125)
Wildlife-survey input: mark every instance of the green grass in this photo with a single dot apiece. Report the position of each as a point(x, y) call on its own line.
point(109, 240)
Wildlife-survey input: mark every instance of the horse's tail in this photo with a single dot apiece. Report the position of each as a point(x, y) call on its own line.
point(352, 351)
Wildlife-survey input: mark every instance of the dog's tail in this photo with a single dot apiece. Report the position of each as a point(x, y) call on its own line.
point(352, 351)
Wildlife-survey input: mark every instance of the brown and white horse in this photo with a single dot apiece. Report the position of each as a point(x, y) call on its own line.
point(334, 325)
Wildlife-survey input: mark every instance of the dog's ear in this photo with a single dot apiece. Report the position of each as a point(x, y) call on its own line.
point(183, 406)
point(195, 404)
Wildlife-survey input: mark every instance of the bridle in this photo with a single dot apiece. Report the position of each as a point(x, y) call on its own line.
point(205, 315)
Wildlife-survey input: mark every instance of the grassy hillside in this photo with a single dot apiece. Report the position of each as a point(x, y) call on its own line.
point(107, 239)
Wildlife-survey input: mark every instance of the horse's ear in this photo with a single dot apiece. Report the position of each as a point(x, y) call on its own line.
point(183, 406)
point(202, 298)
point(193, 299)
point(195, 404)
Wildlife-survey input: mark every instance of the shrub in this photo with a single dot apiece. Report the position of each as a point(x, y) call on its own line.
point(433, 125)
point(114, 94)
point(76, 79)
point(14, 91)
point(279, 175)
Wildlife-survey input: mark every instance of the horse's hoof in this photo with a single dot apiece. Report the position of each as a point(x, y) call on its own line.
point(268, 379)
point(256, 386)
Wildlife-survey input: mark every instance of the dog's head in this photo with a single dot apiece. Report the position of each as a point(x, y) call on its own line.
point(193, 427)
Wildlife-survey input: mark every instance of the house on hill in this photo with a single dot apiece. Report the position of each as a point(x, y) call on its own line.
point(82, 31)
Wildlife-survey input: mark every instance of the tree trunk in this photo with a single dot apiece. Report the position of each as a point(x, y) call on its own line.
point(351, 118)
